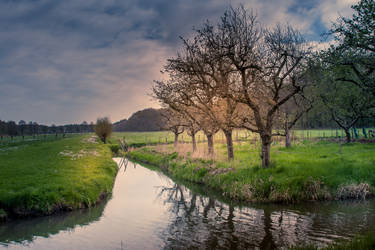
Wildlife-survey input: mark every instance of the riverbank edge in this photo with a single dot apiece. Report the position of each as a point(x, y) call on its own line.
point(9, 214)
point(206, 173)
point(6, 216)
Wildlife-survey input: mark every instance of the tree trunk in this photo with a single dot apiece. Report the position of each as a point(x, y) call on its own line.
point(175, 139)
point(210, 142)
point(266, 150)
point(347, 133)
point(194, 142)
point(288, 144)
point(228, 136)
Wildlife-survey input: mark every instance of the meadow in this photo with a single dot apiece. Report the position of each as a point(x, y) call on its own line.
point(312, 169)
point(139, 139)
point(4, 140)
point(44, 176)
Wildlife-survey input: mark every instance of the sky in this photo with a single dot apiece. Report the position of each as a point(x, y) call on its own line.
point(68, 61)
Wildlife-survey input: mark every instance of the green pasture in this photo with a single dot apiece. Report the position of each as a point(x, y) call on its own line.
point(40, 177)
point(37, 137)
point(138, 139)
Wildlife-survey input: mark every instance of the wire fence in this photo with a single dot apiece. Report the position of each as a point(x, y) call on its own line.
point(6, 139)
point(241, 135)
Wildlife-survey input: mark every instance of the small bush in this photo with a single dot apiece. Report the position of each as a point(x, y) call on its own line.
point(114, 148)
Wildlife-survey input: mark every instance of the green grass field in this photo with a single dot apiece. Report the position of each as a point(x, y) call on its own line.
point(138, 139)
point(310, 170)
point(41, 177)
point(4, 140)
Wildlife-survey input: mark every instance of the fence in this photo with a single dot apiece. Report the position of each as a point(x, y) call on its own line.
point(5, 139)
point(240, 135)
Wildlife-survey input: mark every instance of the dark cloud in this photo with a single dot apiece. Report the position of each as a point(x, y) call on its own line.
point(74, 60)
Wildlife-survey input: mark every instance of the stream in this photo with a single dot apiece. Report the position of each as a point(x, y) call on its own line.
point(148, 210)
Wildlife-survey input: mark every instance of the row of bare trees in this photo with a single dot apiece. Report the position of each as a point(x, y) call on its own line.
point(237, 74)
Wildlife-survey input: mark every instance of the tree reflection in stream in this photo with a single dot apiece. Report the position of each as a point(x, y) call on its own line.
point(202, 221)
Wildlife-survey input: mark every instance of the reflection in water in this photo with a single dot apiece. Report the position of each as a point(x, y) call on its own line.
point(149, 211)
point(123, 163)
point(204, 222)
point(201, 221)
point(24, 231)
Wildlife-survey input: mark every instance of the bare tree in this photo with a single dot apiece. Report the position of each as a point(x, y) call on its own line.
point(209, 128)
point(174, 122)
point(269, 65)
point(192, 128)
point(240, 60)
point(236, 62)
point(178, 95)
point(204, 74)
point(290, 113)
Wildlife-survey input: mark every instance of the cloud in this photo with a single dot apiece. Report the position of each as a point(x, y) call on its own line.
point(74, 60)
point(331, 10)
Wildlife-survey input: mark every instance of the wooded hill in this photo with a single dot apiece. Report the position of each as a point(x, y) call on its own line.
point(144, 120)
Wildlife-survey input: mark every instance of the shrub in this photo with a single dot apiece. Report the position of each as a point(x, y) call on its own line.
point(103, 128)
point(114, 148)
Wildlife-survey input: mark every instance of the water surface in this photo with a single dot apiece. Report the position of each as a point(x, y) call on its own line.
point(150, 211)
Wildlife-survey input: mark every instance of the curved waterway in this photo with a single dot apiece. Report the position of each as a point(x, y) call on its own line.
point(150, 211)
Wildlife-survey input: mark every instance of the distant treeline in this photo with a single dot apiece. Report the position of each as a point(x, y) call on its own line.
point(152, 120)
point(11, 128)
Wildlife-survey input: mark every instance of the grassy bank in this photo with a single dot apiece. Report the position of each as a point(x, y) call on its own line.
point(309, 171)
point(42, 177)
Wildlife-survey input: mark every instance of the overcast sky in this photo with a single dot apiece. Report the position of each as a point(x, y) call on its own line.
point(73, 60)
